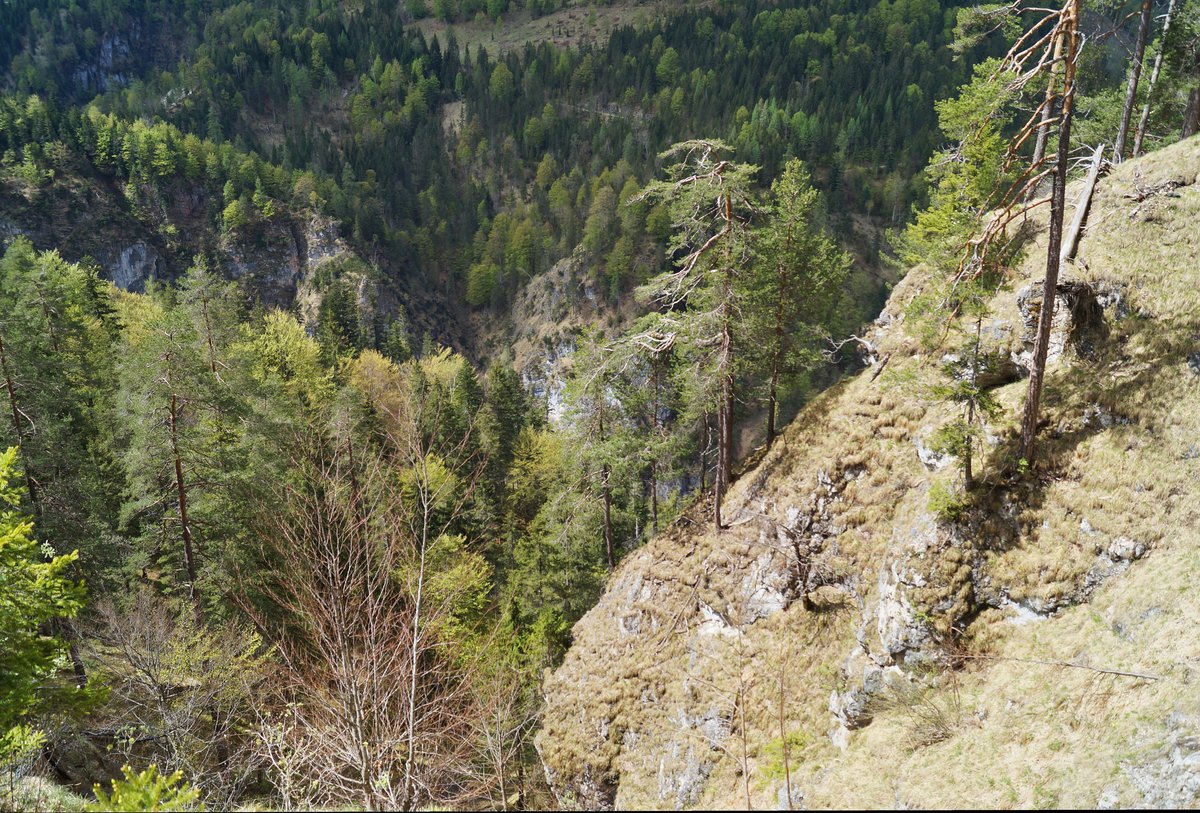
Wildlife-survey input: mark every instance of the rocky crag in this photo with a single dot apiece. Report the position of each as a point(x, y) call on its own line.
point(850, 641)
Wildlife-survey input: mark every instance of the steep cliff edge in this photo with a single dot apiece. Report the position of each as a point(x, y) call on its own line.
point(843, 640)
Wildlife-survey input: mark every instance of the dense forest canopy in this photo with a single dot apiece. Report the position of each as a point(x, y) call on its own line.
point(287, 521)
point(547, 142)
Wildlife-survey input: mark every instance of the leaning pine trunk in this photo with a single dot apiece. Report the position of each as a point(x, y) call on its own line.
point(189, 559)
point(1043, 133)
point(608, 534)
point(1029, 421)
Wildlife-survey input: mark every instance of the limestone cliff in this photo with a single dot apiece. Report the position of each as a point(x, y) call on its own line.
point(154, 232)
point(847, 644)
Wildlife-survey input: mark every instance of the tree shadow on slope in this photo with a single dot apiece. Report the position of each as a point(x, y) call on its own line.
point(1127, 382)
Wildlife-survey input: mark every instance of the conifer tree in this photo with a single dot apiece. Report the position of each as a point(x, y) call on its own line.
point(178, 401)
point(56, 336)
point(701, 300)
point(799, 273)
point(36, 592)
point(597, 420)
point(1135, 75)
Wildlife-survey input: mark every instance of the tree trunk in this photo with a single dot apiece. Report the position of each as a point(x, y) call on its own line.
point(725, 373)
point(771, 407)
point(654, 433)
point(1135, 75)
point(776, 364)
point(724, 446)
point(606, 491)
point(19, 432)
point(1191, 116)
point(1043, 134)
point(189, 559)
point(409, 787)
point(608, 535)
point(1158, 60)
point(1037, 372)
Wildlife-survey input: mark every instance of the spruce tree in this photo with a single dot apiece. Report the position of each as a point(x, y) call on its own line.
point(799, 272)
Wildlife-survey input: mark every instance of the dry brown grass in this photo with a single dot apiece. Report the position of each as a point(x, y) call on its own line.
point(1005, 732)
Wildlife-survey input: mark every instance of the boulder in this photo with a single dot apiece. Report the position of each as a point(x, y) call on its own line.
point(1079, 321)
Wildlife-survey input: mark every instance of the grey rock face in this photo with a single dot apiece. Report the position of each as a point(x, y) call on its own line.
point(781, 798)
point(684, 766)
point(1098, 416)
point(1172, 779)
point(1078, 323)
point(865, 680)
point(1029, 301)
point(9, 229)
point(273, 263)
point(134, 266)
point(1111, 297)
point(930, 458)
point(322, 242)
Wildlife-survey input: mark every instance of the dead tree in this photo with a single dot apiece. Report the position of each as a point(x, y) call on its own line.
point(1158, 60)
point(1068, 23)
point(1049, 47)
point(1135, 75)
point(371, 706)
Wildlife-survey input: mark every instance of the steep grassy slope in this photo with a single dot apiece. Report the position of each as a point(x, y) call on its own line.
point(898, 659)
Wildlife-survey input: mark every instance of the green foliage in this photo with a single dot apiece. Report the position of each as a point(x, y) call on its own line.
point(947, 503)
point(34, 591)
point(147, 791)
point(56, 359)
point(377, 161)
point(965, 181)
point(799, 276)
point(709, 289)
point(776, 751)
point(669, 67)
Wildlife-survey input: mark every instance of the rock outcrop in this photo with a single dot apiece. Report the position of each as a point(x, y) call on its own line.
point(909, 658)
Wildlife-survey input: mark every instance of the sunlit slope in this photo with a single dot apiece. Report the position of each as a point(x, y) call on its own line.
point(1039, 651)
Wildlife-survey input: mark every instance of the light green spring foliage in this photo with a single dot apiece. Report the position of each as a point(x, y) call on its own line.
point(34, 590)
point(146, 791)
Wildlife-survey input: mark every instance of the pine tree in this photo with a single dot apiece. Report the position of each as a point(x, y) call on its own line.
point(605, 438)
point(701, 300)
point(56, 334)
point(36, 592)
point(1135, 75)
point(180, 400)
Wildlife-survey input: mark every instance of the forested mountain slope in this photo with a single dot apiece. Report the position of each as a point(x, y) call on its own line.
point(351, 351)
point(859, 639)
point(459, 172)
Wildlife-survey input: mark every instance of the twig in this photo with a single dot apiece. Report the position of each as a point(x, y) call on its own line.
point(1118, 672)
